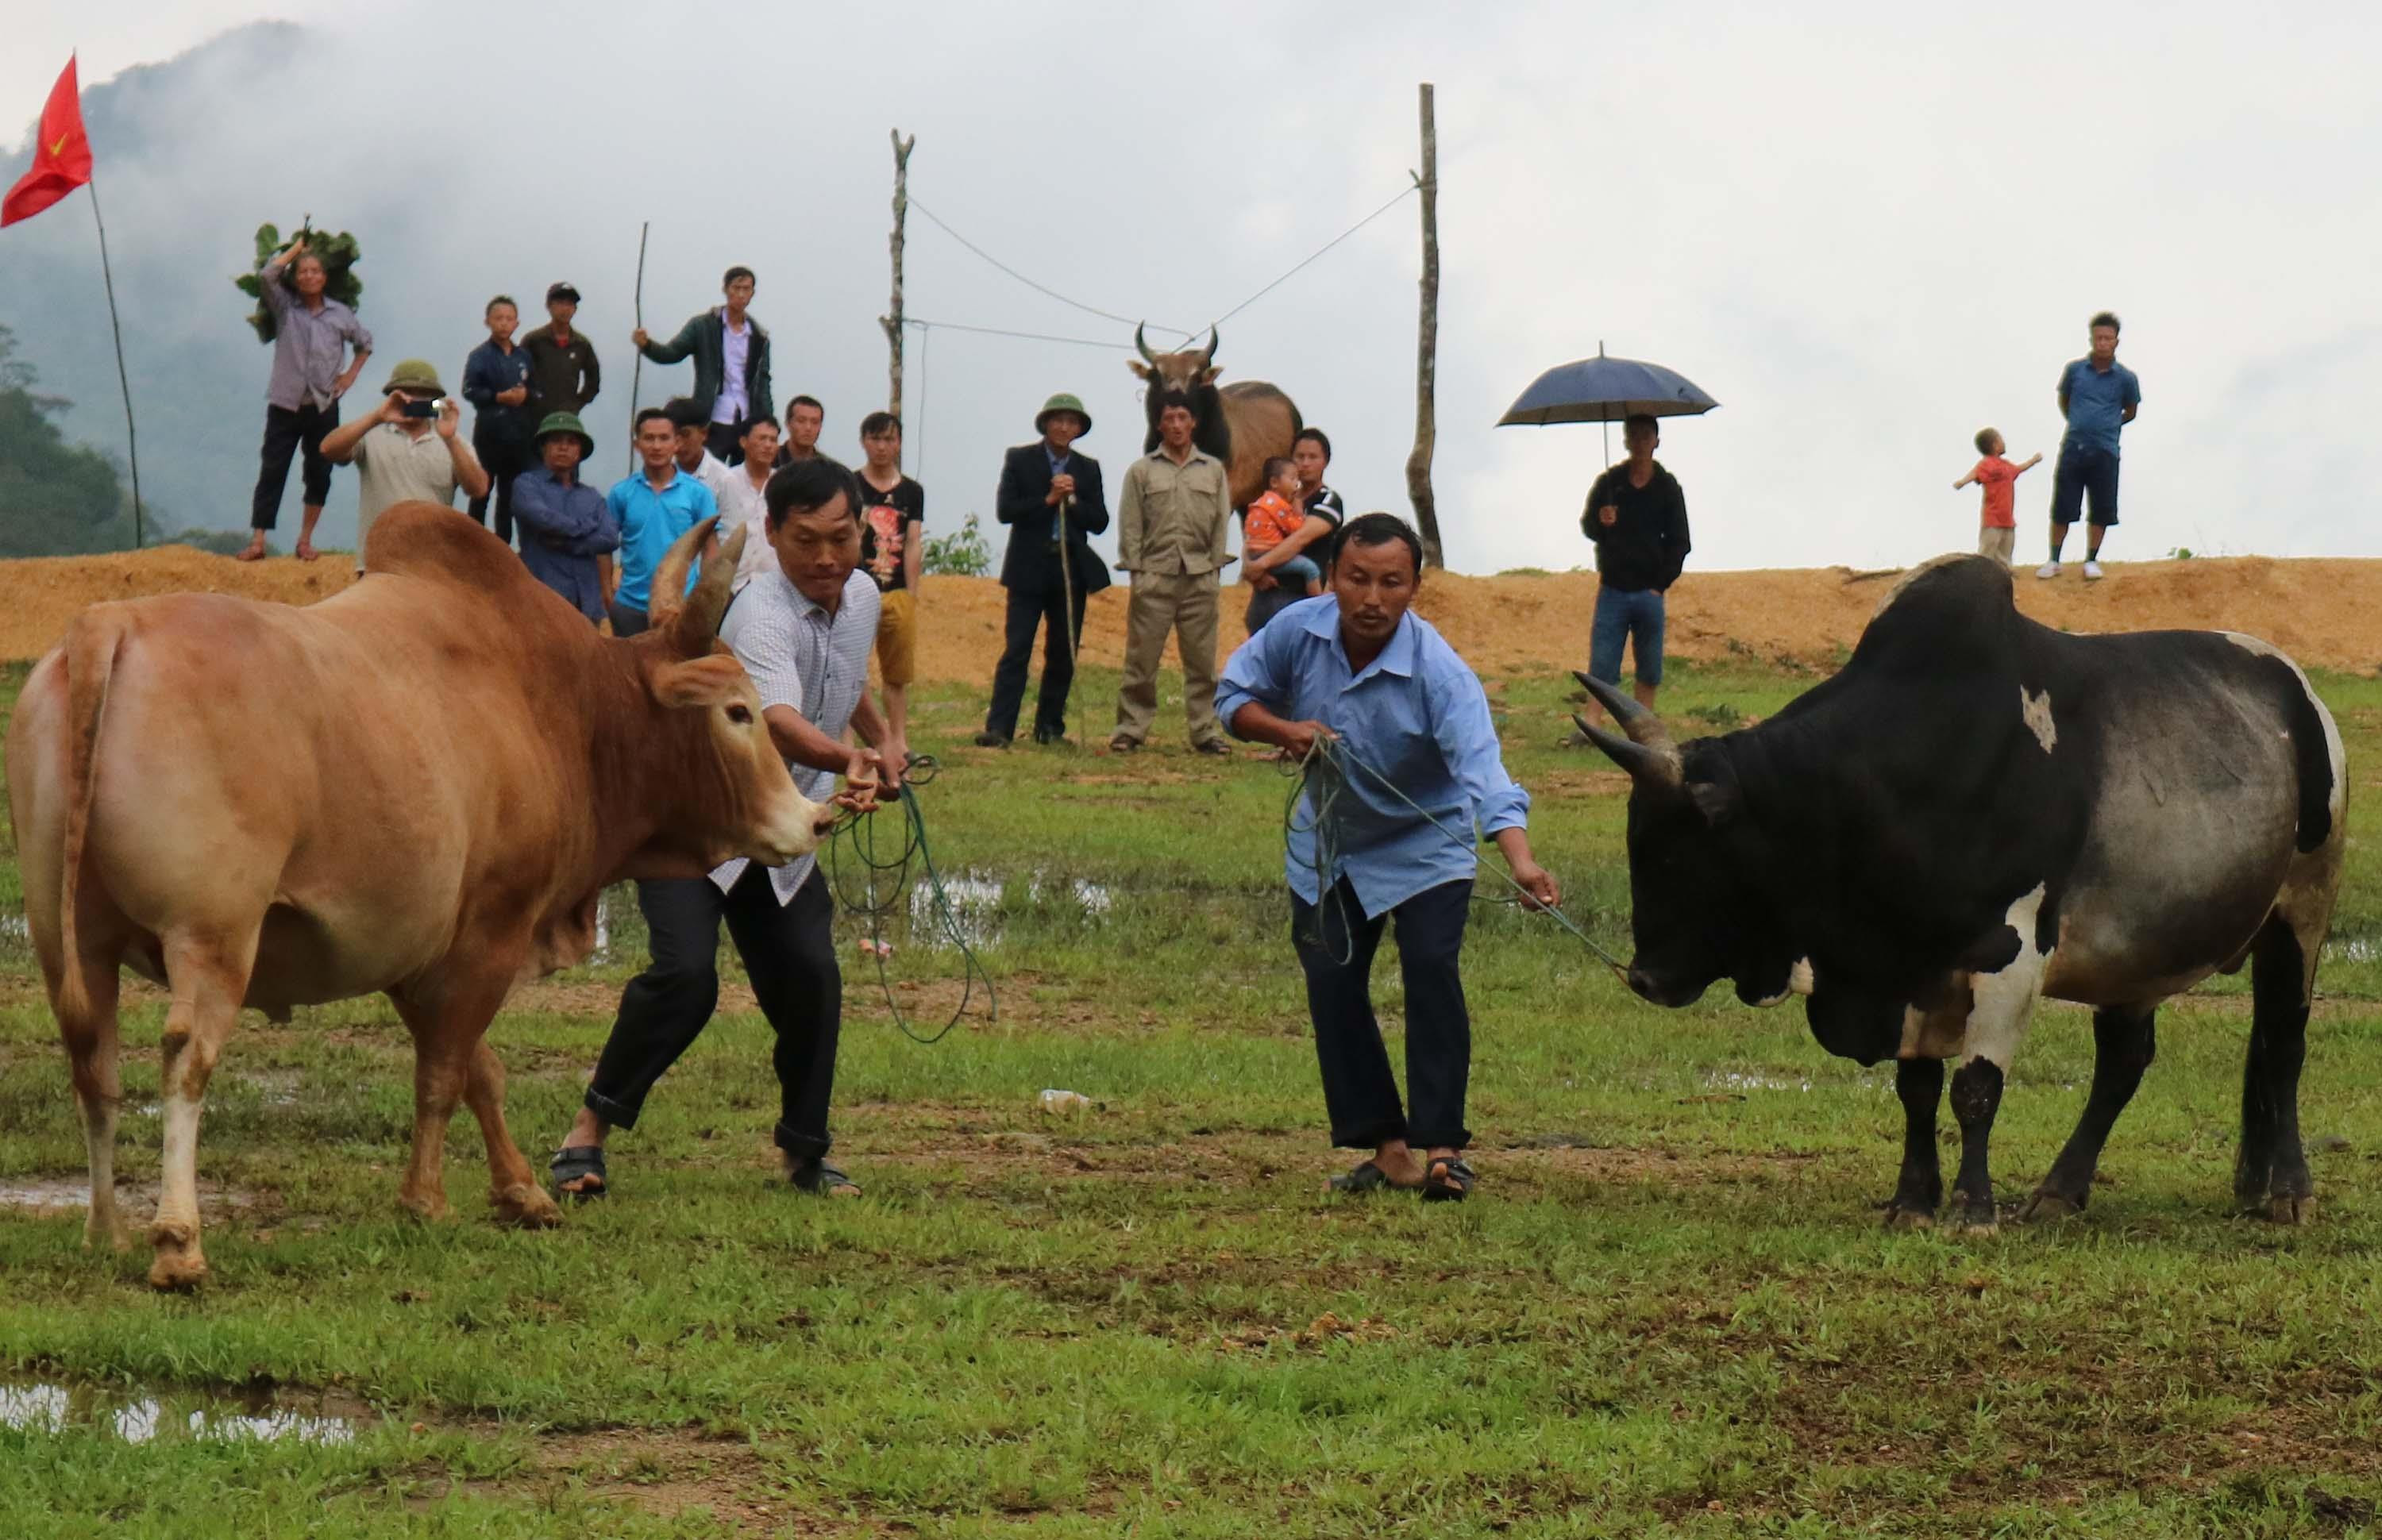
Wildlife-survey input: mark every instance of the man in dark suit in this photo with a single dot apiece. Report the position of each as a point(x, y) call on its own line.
point(1041, 484)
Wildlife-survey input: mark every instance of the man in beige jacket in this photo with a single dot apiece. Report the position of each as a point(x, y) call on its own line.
point(1172, 523)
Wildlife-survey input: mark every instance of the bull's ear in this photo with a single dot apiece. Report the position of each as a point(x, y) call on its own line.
point(1138, 367)
point(683, 684)
point(1718, 803)
point(1207, 376)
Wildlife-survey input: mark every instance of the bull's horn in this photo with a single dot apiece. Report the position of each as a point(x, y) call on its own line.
point(698, 623)
point(1642, 725)
point(1212, 345)
point(666, 595)
point(1647, 764)
point(1141, 344)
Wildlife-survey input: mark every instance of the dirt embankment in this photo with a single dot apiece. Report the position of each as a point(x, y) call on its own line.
point(2327, 613)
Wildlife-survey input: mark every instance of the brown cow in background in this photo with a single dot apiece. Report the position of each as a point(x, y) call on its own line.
point(416, 787)
point(1243, 424)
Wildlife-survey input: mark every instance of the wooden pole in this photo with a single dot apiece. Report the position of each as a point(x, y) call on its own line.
point(131, 437)
point(892, 322)
point(1418, 491)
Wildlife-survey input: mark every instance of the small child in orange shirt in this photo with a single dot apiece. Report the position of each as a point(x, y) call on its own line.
point(1273, 519)
point(1998, 536)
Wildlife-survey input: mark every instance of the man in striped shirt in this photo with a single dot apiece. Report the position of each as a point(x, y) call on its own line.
point(804, 631)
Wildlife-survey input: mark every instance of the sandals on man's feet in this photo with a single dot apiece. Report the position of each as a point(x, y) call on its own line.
point(815, 1176)
point(1366, 1177)
point(1448, 1182)
point(571, 1163)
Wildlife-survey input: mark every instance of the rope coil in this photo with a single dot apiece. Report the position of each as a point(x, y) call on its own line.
point(856, 837)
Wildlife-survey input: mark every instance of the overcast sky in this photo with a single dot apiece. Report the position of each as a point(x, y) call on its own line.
point(1867, 230)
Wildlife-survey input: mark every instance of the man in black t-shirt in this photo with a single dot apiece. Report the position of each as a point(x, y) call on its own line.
point(1638, 518)
point(893, 551)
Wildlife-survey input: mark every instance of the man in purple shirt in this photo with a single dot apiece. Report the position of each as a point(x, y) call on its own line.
point(313, 333)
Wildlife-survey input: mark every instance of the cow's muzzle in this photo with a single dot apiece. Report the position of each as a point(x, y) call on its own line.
point(791, 831)
point(1670, 994)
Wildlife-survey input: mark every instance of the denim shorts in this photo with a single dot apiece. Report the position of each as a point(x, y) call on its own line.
point(2085, 470)
point(1634, 615)
point(1297, 573)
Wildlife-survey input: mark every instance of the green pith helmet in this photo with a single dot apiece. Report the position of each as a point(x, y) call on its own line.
point(1063, 402)
point(415, 374)
point(565, 422)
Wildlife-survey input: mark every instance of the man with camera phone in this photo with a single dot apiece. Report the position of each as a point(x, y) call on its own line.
point(408, 448)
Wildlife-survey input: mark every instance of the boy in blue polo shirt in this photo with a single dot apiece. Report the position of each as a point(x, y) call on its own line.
point(2099, 397)
point(653, 507)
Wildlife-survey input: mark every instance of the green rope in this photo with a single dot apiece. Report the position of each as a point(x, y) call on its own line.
point(856, 837)
point(1324, 771)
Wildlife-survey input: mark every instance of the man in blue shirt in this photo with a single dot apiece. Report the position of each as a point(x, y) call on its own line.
point(653, 507)
point(2099, 397)
point(1412, 727)
point(567, 526)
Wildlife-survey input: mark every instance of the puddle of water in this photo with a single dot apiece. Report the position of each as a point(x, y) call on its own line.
point(13, 930)
point(2362, 949)
point(1737, 1079)
point(60, 1195)
point(58, 1408)
point(975, 898)
point(47, 1197)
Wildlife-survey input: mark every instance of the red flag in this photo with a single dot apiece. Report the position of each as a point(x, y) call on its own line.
point(61, 155)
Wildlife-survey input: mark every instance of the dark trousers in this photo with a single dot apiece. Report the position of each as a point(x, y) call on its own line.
point(1360, 1093)
point(2084, 472)
point(503, 458)
point(789, 951)
point(286, 432)
point(1027, 614)
point(727, 441)
point(626, 621)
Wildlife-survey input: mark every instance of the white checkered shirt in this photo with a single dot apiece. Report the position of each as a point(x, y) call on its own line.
point(801, 656)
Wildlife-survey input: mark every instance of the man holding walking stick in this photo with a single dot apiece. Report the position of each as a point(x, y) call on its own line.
point(1051, 499)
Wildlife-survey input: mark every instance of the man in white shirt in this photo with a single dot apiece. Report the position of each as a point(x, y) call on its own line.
point(804, 632)
point(743, 500)
point(695, 456)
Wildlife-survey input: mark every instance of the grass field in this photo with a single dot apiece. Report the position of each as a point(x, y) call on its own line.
point(1669, 1310)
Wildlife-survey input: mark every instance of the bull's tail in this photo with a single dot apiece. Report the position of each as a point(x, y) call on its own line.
point(90, 645)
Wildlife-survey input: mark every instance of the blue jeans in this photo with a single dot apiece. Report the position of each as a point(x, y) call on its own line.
point(1634, 615)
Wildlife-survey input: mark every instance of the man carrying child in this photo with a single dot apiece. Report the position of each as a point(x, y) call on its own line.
point(1270, 521)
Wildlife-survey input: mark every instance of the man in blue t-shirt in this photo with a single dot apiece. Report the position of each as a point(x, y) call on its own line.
point(653, 507)
point(2099, 397)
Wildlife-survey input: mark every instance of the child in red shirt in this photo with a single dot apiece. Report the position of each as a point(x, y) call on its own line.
point(1998, 536)
point(1273, 519)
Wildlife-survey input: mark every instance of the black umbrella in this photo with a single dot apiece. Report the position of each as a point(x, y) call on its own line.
point(1605, 389)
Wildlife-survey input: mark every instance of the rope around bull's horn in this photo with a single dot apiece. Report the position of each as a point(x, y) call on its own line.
point(1324, 770)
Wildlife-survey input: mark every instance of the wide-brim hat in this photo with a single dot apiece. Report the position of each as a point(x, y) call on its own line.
point(1059, 403)
point(415, 374)
point(564, 423)
point(562, 291)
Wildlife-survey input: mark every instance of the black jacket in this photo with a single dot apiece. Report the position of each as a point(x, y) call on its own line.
point(1646, 544)
point(705, 336)
point(1031, 565)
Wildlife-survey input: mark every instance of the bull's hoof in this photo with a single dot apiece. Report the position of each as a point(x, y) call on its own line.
point(2048, 1205)
point(426, 1206)
point(1979, 1227)
point(1900, 1217)
point(177, 1270)
point(527, 1205)
point(2291, 1210)
point(109, 1233)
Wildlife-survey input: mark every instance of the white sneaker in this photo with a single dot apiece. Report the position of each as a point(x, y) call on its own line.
point(2092, 571)
point(2048, 569)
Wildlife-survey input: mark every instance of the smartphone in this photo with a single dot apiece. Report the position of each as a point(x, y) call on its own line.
point(423, 409)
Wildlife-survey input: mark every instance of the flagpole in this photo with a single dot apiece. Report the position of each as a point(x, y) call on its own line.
point(131, 435)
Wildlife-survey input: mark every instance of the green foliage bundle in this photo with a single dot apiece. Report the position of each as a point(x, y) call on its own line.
point(960, 553)
point(339, 254)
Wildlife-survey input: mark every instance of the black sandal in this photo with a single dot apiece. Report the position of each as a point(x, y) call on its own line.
point(815, 1176)
point(1364, 1177)
point(576, 1161)
point(1448, 1182)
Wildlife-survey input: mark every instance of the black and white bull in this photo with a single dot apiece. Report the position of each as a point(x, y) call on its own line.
point(1243, 424)
point(1977, 811)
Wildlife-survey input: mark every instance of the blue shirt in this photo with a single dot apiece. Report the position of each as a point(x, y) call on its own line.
point(650, 523)
point(487, 374)
point(564, 529)
point(1417, 714)
point(2097, 402)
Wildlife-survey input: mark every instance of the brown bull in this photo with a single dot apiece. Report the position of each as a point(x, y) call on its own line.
point(417, 787)
point(1243, 424)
